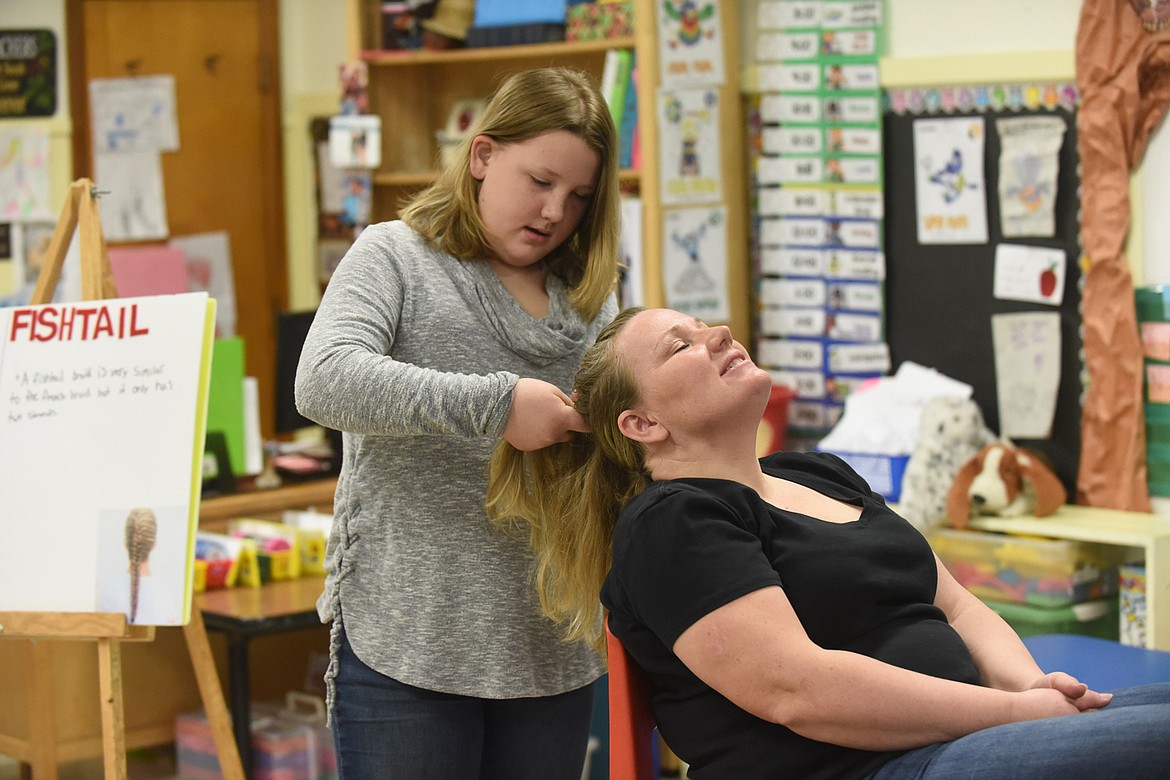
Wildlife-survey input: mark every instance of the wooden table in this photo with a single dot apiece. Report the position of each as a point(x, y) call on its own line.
point(245, 613)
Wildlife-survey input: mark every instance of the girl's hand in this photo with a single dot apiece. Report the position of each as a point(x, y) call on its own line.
point(1074, 690)
point(541, 415)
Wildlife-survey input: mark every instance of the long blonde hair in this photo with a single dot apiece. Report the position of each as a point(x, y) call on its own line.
point(568, 496)
point(528, 104)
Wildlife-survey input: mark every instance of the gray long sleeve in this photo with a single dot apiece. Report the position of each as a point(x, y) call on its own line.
point(414, 355)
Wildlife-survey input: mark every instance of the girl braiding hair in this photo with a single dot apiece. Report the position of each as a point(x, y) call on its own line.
point(528, 104)
point(569, 495)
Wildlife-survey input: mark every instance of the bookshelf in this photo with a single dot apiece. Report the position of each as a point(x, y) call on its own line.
point(414, 90)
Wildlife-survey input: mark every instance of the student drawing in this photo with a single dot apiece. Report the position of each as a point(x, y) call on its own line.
point(951, 177)
point(690, 17)
point(695, 278)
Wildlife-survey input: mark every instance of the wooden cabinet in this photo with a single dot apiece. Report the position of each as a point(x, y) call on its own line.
point(413, 92)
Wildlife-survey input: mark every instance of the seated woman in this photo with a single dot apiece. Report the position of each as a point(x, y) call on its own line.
point(791, 624)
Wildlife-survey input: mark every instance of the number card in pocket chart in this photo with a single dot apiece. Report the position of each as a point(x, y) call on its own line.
point(102, 419)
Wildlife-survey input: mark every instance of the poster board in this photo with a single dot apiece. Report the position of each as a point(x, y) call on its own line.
point(940, 298)
point(102, 410)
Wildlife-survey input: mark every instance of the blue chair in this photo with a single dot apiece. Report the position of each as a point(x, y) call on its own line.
point(1102, 664)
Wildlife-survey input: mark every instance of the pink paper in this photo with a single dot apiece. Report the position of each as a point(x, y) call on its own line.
point(148, 270)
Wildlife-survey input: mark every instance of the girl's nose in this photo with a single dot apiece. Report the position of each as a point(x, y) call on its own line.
point(554, 208)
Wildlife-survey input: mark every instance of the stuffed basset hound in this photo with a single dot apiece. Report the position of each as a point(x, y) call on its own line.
point(1004, 480)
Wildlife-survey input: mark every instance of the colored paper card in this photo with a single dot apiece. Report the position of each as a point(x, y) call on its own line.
point(789, 108)
point(800, 45)
point(847, 326)
point(853, 170)
point(855, 109)
point(788, 261)
point(867, 204)
point(807, 384)
point(101, 440)
point(225, 404)
point(790, 170)
point(845, 77)
point(689, 144)
point(856, 264)
point(853, 140)
point(786, 321)
point(849, 43)
point(850, 13)
point(792, 140)
point(853, 233)
point(855, 296)
point(1027, 372)
point(793, 201)
point(858, 358)
point(793, 291)
point(804, 77)
point(148, 270)
point(1029, 273)
point(694, 263)
point(805, 354)
point(782, 14)
point(950, 193)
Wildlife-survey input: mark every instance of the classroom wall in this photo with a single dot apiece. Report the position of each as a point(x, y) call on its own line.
point(313, 44)
point(315, 38)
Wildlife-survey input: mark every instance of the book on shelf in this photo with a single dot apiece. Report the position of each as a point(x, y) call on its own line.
point(628, 127)
point(615, 81)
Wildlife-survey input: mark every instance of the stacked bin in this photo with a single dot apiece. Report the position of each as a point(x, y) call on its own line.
point(1153, 313)
point(1039, 586)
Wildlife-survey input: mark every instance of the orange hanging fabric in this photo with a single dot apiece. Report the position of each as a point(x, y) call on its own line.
point(1123, 76)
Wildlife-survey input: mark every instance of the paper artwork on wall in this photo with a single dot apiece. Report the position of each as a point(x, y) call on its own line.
point(690, 42)
point(1030, 273)
point(1027, 372)
point(1029, 164)
point(694, 262)
point(950, 191)
point(24, 174)
point(133, 200)
point(688, 129)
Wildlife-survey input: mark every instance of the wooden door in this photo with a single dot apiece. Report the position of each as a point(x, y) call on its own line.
point(226, 175)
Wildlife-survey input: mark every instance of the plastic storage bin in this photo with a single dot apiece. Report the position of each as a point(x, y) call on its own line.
point(288, 743)
point(1026, 570)
point(1093, 618)
point(882, 472)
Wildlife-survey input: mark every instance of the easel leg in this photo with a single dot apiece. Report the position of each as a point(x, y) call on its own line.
point(113, 715)
point(42, 726)
point(208, 680)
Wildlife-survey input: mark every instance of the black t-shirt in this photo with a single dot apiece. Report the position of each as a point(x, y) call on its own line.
point(684, 548)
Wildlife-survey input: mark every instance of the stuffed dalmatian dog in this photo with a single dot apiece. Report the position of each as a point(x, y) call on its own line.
point(951, 431)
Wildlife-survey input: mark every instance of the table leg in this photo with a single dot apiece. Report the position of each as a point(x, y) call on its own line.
point(241, 698)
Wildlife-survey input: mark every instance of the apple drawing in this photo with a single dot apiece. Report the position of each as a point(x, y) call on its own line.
point(1048, 281)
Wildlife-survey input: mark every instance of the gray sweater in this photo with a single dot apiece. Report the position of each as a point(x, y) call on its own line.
point(414, 355)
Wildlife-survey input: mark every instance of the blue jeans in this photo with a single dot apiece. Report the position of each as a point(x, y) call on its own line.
point(1128, 739)
point(386, 730)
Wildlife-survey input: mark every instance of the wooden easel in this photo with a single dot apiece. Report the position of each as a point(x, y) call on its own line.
point(108, 629)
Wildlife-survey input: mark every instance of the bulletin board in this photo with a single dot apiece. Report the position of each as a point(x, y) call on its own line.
point(939, 297)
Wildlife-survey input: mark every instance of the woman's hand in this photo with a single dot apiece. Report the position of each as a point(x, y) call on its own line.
point(541, 415)
point(1077, 693)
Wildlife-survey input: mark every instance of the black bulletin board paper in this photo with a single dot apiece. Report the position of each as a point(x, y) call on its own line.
point(939, 297)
